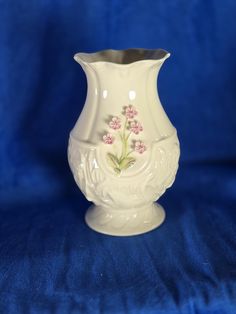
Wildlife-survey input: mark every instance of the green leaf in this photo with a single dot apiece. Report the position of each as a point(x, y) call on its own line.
point(127, 162)
point(112, 160)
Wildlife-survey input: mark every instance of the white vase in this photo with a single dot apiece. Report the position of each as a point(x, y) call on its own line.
point(123, 150)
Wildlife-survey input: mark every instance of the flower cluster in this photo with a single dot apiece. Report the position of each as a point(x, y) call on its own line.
point(130, 112)
point(131, 125)
point(108, 138)
point(115, 123)
point(140, 147)
point(136, 127)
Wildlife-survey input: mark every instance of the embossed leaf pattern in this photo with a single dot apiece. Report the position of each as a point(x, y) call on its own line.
point(123, 133)
point(148, 185)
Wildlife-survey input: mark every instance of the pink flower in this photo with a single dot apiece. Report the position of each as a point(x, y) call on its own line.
point(140, 147)
point(108, 138)
point(136, 127)
point(115, 123)
point(130, 112)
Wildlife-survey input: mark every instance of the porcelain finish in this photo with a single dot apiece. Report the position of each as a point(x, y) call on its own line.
point(123, 150)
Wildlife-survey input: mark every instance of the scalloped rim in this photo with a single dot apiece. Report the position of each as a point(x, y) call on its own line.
point(112, 56)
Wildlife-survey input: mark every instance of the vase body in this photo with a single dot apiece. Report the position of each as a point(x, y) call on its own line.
point(123, 150)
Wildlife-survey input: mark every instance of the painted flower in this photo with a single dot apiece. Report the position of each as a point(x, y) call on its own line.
point(115, 123)
point(123, 156)
point(136, 127)
point(130, 112)
point(108, 138)
point(140, 147)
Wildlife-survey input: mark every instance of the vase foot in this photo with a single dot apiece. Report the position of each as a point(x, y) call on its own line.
point(125, 222)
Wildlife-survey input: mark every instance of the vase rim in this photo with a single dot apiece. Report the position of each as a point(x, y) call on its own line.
point(123, 57)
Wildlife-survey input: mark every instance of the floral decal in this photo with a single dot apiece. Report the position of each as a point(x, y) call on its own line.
point(123, 133)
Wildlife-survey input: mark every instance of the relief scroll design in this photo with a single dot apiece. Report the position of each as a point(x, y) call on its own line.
point(109, 191)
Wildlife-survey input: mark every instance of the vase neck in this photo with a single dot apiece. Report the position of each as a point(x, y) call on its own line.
point(121, 69)
point(106, 79)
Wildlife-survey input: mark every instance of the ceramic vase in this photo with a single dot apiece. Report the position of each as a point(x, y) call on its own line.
point(123, 150)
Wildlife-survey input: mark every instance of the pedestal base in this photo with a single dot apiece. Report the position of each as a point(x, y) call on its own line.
point(125, 222)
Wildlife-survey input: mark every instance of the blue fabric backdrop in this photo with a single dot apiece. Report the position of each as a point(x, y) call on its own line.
point(50, 262)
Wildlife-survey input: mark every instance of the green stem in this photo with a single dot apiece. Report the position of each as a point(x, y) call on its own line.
point(128, 135)
point(130, 152)
point(125, 125)
point(124, 147)
point(124, 141)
